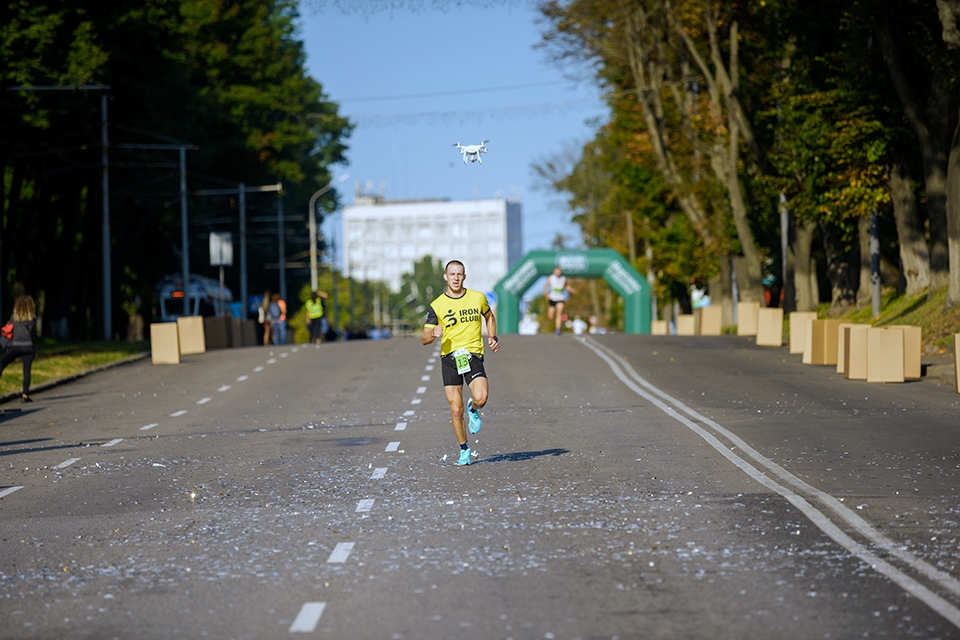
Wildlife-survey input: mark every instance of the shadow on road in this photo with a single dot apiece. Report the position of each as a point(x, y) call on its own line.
point(521, 456)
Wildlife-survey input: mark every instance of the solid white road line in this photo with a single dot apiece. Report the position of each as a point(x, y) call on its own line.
point(378, 473)
point(341, 552)
point(911, 586)
point(401, 426)
point(415, 401)
point(147, 427)
point(204, 400)
point(393, 446)
point(242, 378)
point(112, 442)
point(5, 492)
point(306, 621)
point(225, 387)
point(67, 463)
point(365, 505)
point(177, 414)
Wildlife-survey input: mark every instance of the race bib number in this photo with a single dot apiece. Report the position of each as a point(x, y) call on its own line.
point(462, 359)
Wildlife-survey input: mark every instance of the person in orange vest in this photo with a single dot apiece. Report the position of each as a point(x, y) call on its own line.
point(278, 319)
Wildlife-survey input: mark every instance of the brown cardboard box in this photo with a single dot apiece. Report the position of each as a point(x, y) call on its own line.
point(855, 351)
point(659, 328)
point(710, 321)
point(215, 333)
point(747, 318)
point(190, 334)
point(884, 355)
point(686, 325)
point(798, 329)
point(250, 333)
point(822, 347)
point(770, 327)
point(164, 343)
point(841, 345)
point(235, 328)
point(912, 346)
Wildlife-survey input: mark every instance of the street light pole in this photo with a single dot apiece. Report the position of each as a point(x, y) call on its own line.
point(313, 228)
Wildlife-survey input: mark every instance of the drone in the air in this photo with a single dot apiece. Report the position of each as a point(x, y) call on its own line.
point(472, 151)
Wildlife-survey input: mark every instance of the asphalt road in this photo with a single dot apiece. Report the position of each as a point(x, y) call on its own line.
point(624, 487)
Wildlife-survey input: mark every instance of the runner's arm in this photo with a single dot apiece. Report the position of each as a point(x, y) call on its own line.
point(430, 333)
point(492, 330)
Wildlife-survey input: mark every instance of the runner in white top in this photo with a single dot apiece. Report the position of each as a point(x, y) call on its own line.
point(557, 291)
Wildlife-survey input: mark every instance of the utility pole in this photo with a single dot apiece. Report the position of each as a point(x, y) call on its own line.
point(282, 249)
point(242, 190)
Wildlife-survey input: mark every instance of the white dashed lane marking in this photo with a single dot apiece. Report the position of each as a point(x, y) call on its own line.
point(272, 361)
point(147, 427)
point(341, 552)
point(365, 505)
point(67, 463)
point(424, 378)
point(112, 442)
point(415, 401)
point(177, 414)
point(203, 400)
point(225, 387)
point(306, 621)
point(242, 378)
point(409, 412)
point(5, 492)
point(258, 369)
point(421, 389)
point(284, 355)
point(429, 367)
point(393, 446)
point(400, 426)
point(378, 473)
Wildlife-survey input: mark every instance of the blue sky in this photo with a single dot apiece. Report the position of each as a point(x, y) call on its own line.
point(370, 60)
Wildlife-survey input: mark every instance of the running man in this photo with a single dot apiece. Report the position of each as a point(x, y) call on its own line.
point(557, 291)
point(461, 349)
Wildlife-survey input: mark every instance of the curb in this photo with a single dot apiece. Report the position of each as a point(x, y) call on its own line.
point(59, 381)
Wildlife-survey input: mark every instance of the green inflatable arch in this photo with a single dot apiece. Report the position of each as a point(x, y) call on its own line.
point(589, 263)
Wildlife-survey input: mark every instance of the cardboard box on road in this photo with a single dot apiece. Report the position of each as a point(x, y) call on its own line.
point(659, 328)
point(798, 329)
point(912, 340)
point(841, 344)
point(250, 333)
point(215, 333)
point(855, 351)
point(822, 347)
point(164, 343)
point(710, 321)
point(236, 332)
point(686, 325)
point(770, 327)
point(748, 318)
point(884, 355)
point(190, 334)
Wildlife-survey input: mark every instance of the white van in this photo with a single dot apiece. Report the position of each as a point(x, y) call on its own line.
point(171, 293)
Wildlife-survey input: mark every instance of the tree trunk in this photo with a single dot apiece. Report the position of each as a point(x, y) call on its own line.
point(807, 295)
point(864, 291)
point(953, 221)
point(843, 277)
point(914, 255)
point(721, 292)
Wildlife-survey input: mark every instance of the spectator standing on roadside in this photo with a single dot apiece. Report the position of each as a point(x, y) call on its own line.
point(263, 317)
point(278, 319)
point(24, 321)
point(315, 316)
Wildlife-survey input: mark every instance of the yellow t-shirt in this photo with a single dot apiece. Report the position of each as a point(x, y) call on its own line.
point(462, 321)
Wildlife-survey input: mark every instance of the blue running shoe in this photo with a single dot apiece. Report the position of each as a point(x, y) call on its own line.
point(473, 418)
point(464, 457)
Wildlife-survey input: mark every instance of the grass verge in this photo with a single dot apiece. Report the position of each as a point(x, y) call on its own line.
point(56, 359)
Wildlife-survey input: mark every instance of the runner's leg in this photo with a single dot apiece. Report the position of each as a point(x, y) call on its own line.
point(478, 391)
point(455, 399)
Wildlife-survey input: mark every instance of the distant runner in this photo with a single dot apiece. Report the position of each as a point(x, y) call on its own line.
point(557, 291)
point(461, 349)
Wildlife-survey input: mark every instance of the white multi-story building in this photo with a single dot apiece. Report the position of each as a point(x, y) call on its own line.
point(382, 240)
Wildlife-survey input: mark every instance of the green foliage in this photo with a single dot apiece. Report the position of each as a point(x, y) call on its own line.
point(418, 289)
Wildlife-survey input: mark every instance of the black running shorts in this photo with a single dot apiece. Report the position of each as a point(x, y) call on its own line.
point(448, 366)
